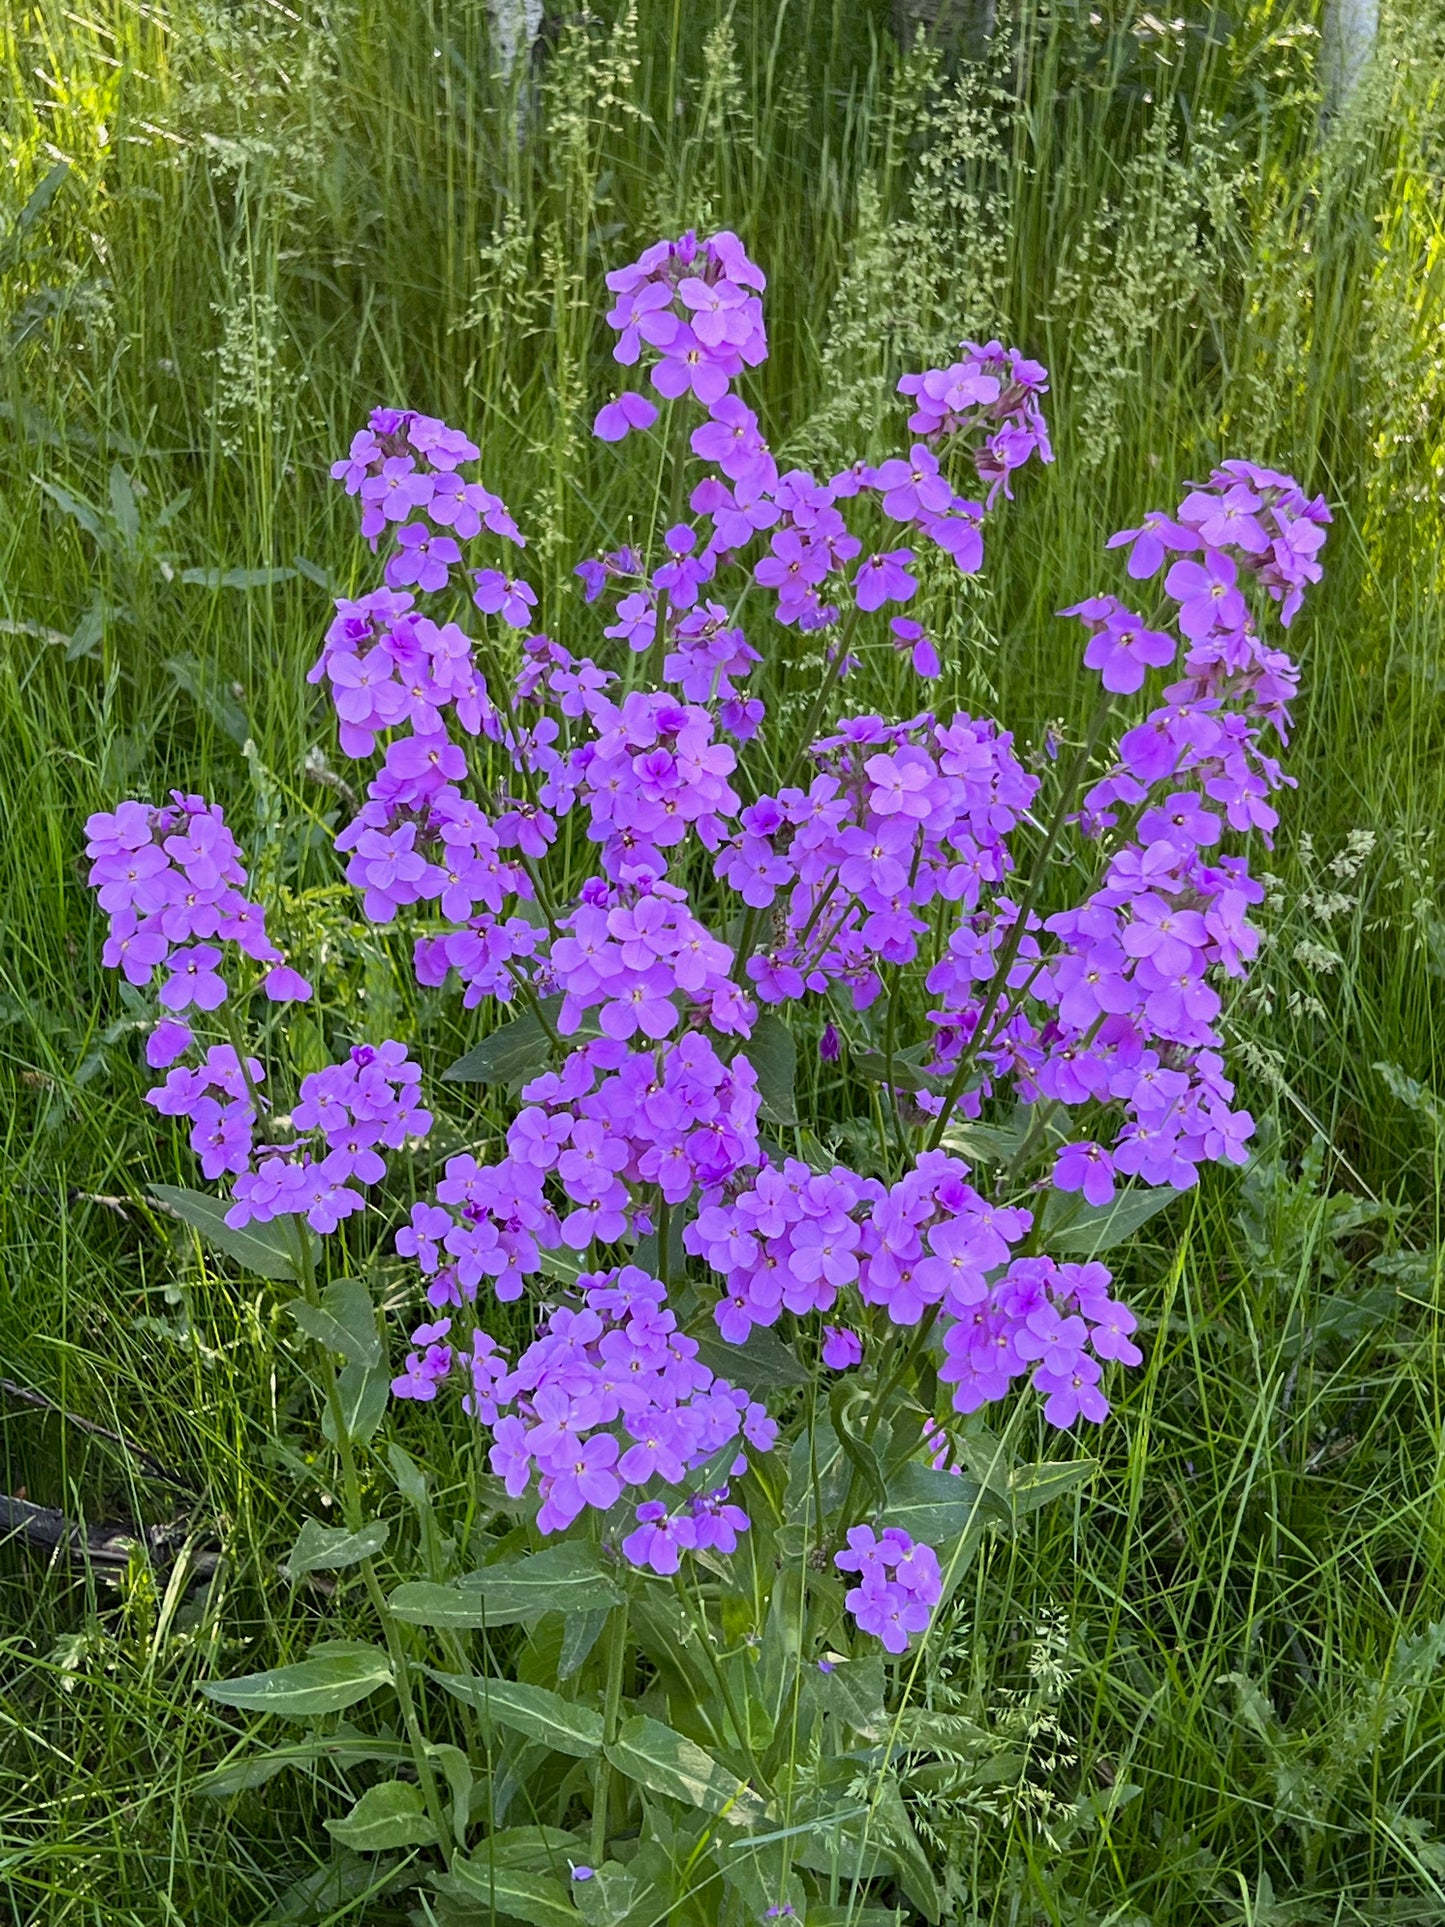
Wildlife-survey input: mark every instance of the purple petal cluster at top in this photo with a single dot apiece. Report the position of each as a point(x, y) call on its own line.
point(404, 468)
point(171, 881)
point(991, 395)
point(695, 305)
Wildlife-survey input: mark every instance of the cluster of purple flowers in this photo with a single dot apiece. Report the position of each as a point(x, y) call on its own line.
point(614, 1359)
point(929, 1247)
point(171, 881)
point(893, 850)
point(404, 467)
point(172, 874)
point(991, 395)
point(899, 1584)
point(612, 1122)
point(630, 951)
point(695, 304)
point(1125, 1007)
point(899, 817)
point(354, 1108)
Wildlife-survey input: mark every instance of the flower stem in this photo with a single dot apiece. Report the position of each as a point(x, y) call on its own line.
point(352, 1510)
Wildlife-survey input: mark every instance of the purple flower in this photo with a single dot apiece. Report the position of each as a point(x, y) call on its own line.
point(168, 1041)
point(841, 1349)
point(618, 418)
point(884, 578)
point(1087, 1168)
point(1206, 594)
point(921, 649)
point(194, 979)
point(286, 986)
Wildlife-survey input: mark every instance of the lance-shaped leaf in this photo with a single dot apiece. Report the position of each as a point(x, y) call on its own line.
point(345, 1748)
point(262, 1248)
point(937, 1506)
point(539, 1899)
point(334, 1675)
point(235, 578)
point(320, 1548)
point(536, 1711)
point(567, 1578)
point(344, 1321)
point(654, 1756)
point(516, 1049)
point(773, 1055)
point(1031, 1486)
point(761, 1365)
point(1073, 1229)
point(390, 1815)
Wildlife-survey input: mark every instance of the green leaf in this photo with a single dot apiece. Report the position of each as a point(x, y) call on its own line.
point(123, 509)
point(536, 1711)
point(854, 1693)
point(348, 1749)
point(915, 1875)
point(847, 1398)
point(362, 1391)
point(409, 1478)
point(41, 195)
point(210, 696)
point(335, 1674)
point(763, 1364)
point(320, 1548)
point(844, 1847)
point(937, 1506)
point(514, 1050)
point(565, 1578)
point(608, 1897)
point(262, 1248)
point(457, 1769)
point(390, 1815)
point(773, 1055)
point(1081, 1230)
point(531, 1849)
point(90, 628)
point(654, 1756)
point(344, 1321)
point(580, 1633)
point(1032, 1486)
point(235, 578)
point(76, 509)
point(818, 1474)
point(903, 1074)
point(314, 572)
point(539, 1899)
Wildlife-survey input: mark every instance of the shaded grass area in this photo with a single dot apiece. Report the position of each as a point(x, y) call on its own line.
point(265, 226)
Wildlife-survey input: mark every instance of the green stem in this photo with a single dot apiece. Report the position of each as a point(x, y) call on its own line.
point(352, 1509)
point(825, 689)
point(602, 1776)
point(724, 1690)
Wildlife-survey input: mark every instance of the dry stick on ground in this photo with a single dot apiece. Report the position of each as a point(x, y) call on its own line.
point(108, 1545)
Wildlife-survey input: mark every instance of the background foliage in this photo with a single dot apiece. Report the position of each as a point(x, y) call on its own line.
point(225, 233)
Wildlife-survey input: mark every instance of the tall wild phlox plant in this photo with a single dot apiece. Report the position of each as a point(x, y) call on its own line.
point(1073, 1048)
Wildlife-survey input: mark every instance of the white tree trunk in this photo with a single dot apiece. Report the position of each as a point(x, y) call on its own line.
point(515, 26)
point(1351, 28)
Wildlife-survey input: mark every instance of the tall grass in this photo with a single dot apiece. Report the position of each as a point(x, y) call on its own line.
point(271, 219)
